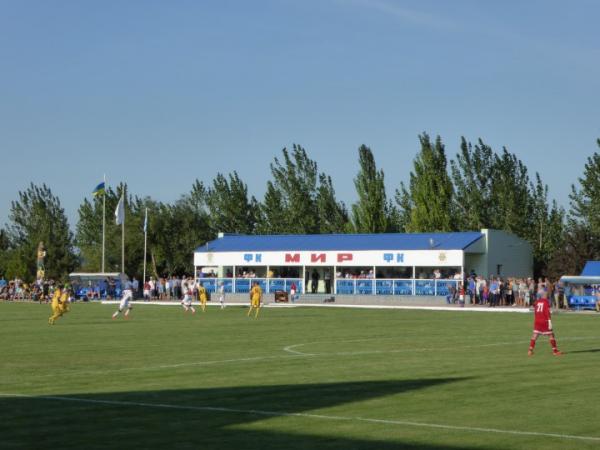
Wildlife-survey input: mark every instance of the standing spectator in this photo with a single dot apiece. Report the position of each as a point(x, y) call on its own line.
point(177, 287)
point(314, 281)
point(152, 285)
point(135, 286)
point(472, 290)
point(112, 287)
point(559, 291)
point(481, 283)
point(168, 284)
point(510, 290)
point(531, 289)
point(494, 292)
point(147, 291)
point(327, 278)
point(550, 293)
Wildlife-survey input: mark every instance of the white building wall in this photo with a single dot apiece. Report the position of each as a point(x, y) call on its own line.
point(509, 253)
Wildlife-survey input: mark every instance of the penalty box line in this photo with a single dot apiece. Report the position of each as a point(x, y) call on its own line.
point(259, 412)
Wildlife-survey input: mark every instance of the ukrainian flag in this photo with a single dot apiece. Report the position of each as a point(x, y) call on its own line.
point(99, 190)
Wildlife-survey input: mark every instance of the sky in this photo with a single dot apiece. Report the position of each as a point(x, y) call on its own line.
point(158, 94)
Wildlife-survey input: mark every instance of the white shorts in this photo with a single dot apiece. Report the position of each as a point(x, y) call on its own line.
point(127, 297)
point(187, 300)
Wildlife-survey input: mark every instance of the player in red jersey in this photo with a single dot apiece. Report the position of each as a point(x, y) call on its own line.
point(542, 323)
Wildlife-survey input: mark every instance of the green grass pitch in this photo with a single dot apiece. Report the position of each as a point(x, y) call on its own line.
point(295, 378)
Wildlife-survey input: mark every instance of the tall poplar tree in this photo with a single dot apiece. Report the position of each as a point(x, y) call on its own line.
point(547, 229)
point(333, 216)
point(272, 217)
point(585, 200)
point(472, 176)
point(230, 209)
point(370, 214)
point(426, 205)
point(511, 200)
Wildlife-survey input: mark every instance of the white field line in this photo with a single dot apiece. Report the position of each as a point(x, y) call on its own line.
point(330, 305)
point(291, 353)
point(292, 348)
point(258, 412)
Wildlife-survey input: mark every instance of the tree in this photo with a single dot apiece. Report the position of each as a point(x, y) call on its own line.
point(4, 248)
point(296, 180)
point(176, 230)
point(370, 214)
point(585, 201)
point(547, 228)
point(332, 215)
point(272, 218)
point(510, 202)
point(230, 209)
point(578, 245)
point(88, 235)
point(37, 216)
point(493, 190)
point(427, 204)
point(472, 175)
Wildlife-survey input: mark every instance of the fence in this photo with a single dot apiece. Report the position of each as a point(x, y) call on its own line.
point(395, 287)
point(243, 285)
point(432, 287)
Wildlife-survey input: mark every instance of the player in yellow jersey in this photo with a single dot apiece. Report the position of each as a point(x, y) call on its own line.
point(55, 305)
point(202, 296)
point(255, 299)
point(65, 301)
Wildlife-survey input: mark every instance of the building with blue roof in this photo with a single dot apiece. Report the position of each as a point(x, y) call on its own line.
point(331, 263)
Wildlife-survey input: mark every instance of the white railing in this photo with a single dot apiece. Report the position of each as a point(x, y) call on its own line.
point(243, 285)
point(407, 286)
point(346, 286)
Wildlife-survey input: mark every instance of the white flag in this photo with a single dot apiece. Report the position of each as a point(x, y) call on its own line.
point(120, 211)
point(146, 222)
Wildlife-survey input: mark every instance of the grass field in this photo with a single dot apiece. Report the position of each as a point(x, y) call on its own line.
point(295, 378)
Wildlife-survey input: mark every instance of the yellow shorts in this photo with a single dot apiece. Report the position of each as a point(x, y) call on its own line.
point(255, 303)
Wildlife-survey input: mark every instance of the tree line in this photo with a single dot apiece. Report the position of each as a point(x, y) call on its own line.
point(479, 188)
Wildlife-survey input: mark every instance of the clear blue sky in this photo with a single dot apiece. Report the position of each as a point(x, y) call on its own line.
point(159, 93)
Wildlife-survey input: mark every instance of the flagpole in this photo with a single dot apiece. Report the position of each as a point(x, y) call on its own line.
point(103, 222)
point(145, 244)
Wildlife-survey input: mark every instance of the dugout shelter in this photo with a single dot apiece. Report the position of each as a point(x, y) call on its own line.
point(582, 291)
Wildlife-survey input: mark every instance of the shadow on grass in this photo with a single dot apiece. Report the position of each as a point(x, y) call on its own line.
point(591, 350)
point(201, 418)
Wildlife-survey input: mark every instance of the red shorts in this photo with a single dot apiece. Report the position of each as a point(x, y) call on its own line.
point(542, 327)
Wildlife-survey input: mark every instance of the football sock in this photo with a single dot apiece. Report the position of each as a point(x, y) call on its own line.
point(532, 344)
point(553, 344)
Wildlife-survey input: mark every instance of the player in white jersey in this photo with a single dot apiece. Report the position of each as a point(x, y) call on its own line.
point(127, 296)
point(187, 286)
point(222, 294)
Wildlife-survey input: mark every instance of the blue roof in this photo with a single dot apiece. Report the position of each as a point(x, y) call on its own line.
point(339, 242)
point(591, 269)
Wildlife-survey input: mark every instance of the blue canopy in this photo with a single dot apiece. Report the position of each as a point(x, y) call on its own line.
point(591, 269)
